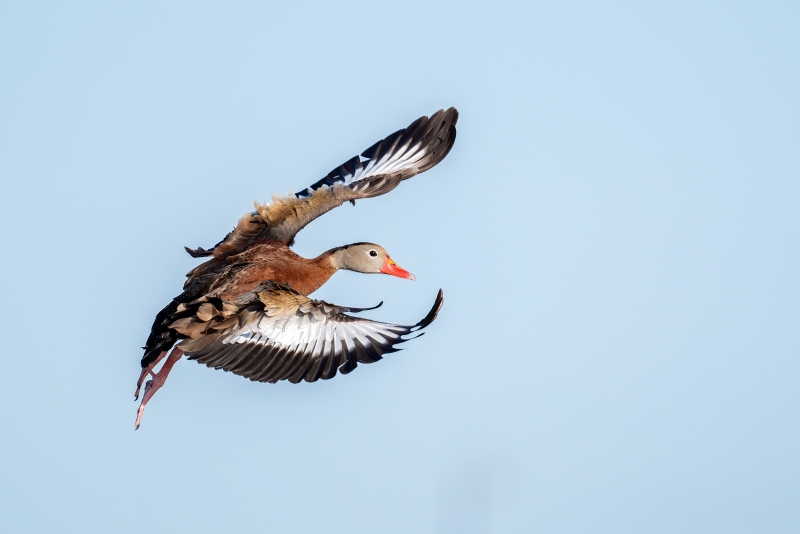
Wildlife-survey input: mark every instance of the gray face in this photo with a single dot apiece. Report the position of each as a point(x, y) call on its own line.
point(368, 258)
point(363, 258)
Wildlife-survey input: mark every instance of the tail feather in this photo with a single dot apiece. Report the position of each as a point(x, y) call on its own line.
point(162, 337)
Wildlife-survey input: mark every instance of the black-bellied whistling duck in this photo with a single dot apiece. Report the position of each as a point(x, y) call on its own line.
point(246, 309)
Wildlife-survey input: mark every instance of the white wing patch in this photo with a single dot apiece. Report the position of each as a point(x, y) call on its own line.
point(406, 152)
point(305, 343)
point(305, 330)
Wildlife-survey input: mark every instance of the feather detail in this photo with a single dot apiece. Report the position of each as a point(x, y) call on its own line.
point(279, 334)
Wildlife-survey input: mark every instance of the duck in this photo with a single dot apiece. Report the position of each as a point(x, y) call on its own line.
point(246, 309)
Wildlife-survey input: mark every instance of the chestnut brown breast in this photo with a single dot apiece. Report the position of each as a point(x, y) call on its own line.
point(276, 262)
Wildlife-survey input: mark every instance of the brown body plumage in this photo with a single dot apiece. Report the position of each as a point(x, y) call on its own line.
point(246, 308)
point(272, 261)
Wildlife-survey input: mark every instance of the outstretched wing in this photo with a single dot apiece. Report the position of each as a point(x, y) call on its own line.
point(412, 150)
point(378, 170)
point(273, 333)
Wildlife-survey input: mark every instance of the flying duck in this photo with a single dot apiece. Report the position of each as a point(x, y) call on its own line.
point(246, 308)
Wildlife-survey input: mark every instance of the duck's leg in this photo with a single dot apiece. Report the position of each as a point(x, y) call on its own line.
point(145, 371)
point(157, 381)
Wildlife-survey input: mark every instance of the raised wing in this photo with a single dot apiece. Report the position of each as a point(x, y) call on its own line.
point(273, 333)
point(378, 170)
point(412, 150)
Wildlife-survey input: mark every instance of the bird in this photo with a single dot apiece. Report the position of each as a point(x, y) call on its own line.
point(246, 309)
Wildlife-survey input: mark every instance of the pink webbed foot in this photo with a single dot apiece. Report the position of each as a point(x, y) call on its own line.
point(157, 381)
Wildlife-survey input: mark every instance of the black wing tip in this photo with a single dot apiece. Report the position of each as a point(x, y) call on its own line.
point(449, 115)
point(428, 319)
point(441, 125)
point(357, 310)
point(447, 119)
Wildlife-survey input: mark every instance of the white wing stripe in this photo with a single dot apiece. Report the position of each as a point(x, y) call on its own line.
point(297, 346)
point(400, 152)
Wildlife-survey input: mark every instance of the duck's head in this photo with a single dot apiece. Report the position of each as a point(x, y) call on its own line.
point(367, 258)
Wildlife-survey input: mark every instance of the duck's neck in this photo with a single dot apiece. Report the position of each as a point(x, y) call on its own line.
point(335, 257)
point(322, 268)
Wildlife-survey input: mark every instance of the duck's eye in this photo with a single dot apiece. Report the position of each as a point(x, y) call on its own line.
point(373, 253)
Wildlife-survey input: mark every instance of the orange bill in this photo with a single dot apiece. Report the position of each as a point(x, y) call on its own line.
point(390, 267)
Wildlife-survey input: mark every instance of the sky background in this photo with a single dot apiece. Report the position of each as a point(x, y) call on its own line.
point(616, 233)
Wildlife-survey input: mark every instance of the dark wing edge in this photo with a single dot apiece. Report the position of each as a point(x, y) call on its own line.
point(405, 153)
point(352, 340)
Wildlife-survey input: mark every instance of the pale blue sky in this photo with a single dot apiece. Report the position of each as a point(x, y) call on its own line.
point(616, 232)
